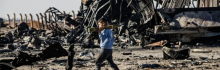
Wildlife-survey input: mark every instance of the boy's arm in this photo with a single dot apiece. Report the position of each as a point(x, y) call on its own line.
point(106, 37)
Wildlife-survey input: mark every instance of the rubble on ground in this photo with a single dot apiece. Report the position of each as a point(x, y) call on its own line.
point(178, 37)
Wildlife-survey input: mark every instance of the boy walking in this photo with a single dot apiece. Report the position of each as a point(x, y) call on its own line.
point(106, 43)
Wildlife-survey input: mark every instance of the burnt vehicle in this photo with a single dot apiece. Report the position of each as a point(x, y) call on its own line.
point(149, 21)
point(198, 24)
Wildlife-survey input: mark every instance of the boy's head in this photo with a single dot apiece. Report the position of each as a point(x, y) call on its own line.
point(102, 22)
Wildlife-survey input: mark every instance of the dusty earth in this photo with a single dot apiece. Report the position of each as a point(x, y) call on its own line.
point(132, 61)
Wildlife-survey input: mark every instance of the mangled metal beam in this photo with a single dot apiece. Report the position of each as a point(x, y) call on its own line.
point(45, 19)
point(64, 20)
point(73, 15)
point(14, 21)
point(38, 22)
point(25, 18)
point(9, 22)
point(21, 20)
point(42, 21)
point(31, 22)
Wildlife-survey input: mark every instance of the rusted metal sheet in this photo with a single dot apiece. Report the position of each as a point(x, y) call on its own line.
point(160, 43)
point(45, 19)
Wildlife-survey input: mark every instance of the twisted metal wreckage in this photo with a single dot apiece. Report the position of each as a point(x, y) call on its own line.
point(143, 21)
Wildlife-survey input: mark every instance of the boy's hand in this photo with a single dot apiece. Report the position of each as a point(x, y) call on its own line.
point(100, 29)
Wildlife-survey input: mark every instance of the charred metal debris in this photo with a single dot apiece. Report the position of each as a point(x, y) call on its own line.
point(143, 22)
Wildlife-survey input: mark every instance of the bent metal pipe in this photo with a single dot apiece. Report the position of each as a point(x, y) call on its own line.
point(21, 20)
point(9, 21)
point(31, 20)
point(38, 26)
point(25, 18)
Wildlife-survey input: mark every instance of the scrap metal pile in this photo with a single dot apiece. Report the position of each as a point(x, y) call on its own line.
point(143, 22)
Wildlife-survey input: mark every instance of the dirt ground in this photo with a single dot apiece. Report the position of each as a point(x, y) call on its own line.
point(132, 61)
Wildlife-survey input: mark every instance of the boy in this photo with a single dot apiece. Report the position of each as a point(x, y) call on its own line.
point(106, 43)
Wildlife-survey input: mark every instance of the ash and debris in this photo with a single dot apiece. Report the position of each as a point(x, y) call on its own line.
point(137, 59)
point(147, 37)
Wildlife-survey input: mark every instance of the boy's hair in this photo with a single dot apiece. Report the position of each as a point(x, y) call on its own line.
point(103, 20)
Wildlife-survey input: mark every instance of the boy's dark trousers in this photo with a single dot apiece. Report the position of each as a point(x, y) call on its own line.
point(105, 55)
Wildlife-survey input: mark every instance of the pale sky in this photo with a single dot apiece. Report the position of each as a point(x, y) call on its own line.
point(36, 6)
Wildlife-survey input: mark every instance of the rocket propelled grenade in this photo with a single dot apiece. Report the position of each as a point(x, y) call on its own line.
point(92, 29)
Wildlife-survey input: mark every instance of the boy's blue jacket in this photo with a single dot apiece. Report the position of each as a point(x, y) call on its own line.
point(106, 39)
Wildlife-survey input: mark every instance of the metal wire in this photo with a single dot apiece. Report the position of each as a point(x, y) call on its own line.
point(120, 11)
point(100, 9)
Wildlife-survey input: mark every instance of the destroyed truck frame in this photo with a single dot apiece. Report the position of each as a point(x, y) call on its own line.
point(193, 28)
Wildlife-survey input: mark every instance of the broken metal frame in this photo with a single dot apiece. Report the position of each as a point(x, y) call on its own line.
point(54, 13)
point(25, 18)
point(178, 10)
point(9, 21)
point(31, 20)
point(14, 21)
point(42, 20)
